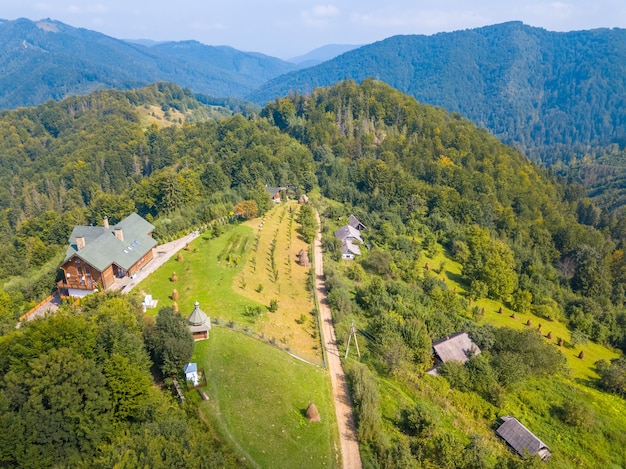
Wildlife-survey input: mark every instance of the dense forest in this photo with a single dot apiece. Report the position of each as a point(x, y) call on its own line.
point(416, 171)
point(76, 161)
point(76, 391)
point(552, 95)
point(427, 183)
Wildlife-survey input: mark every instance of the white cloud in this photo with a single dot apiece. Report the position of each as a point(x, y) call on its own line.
point(422, 21)
point(320, 15)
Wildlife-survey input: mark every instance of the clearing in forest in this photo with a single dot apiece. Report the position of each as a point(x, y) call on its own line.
point(241, 275)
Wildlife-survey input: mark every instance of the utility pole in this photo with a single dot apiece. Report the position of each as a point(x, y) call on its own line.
point(352, 334)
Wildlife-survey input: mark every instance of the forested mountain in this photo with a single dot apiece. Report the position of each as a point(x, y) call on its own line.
point(429, 185)
point(47, 59)
point(420, 178)
point(552, 95)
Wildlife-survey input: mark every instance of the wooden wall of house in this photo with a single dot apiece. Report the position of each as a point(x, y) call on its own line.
point(108, 277)
point(140, 263)
point(77, 269)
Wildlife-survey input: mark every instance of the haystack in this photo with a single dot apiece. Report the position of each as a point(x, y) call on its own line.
point(304, 259)
point(312, 414)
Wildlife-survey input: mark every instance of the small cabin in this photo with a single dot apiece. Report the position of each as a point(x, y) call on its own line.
point(457, 347)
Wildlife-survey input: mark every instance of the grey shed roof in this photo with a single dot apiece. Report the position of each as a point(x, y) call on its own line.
point(458, 347)
point(346, 232)
point(349, 247)
point(198, 320)
point(521, 439)
point(355, 223)
point(102, 248)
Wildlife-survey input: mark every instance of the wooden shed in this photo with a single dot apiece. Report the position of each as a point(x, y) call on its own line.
point(457, 347)
point(521, 439)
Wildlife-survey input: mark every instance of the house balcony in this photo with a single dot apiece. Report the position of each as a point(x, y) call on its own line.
point(87, 284)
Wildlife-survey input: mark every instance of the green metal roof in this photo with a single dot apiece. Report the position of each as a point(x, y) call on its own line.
point(102, 248)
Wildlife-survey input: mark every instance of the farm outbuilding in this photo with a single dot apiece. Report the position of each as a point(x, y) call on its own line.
point(457, 347)
point(521, 439)
point(355, 223)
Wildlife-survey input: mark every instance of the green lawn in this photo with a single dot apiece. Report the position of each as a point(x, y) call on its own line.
point(258, 393)
point(257, 398)
point(206, 275)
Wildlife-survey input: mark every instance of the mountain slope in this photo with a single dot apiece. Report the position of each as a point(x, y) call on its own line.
point(463, 234)
point(50, 60)
point(538, 90)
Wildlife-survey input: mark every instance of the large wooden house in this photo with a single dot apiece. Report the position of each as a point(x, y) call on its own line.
point(98, 255)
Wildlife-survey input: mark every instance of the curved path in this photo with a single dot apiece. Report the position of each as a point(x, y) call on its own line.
point(343, 403)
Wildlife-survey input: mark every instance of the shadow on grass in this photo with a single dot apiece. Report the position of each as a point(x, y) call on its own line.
point(458, 278)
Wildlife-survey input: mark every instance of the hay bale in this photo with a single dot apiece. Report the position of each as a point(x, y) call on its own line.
point(175, 294)
point(179, 257)
point(312, 414)
point(175, 307)
point(174, 277)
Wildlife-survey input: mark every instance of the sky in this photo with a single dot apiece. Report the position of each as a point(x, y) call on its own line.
point(289, 28)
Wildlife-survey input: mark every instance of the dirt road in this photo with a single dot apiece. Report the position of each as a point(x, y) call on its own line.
point(343, 403)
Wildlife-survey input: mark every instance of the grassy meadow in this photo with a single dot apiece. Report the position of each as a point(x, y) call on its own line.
point(258, 396)
point(257, 392)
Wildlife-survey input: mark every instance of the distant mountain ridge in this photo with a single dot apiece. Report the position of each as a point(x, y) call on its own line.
point(552, 95)
point(47, 59)
point(549, 94)
point(322, 54)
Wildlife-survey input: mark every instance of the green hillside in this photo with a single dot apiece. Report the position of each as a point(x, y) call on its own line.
point(463, 234)
point(459, 226)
